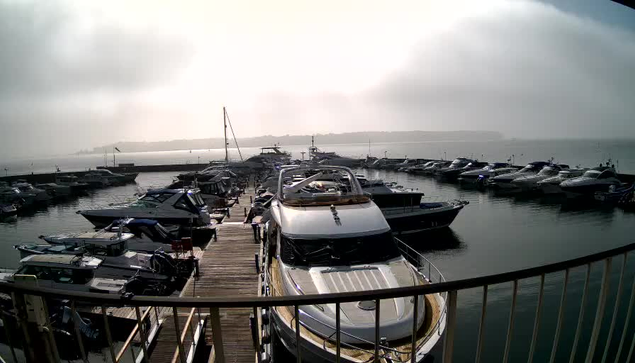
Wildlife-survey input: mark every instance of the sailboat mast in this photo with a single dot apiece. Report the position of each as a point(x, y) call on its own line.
point(225, 133)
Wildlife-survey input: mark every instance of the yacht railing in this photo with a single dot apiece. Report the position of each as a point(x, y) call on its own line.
point(592, 347)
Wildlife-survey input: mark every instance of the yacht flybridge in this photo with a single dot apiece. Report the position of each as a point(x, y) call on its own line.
point(328, 238)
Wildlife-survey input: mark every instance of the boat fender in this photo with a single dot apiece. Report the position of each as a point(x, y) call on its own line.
point(266, 338)
point(127, 296)
point(264, 318)
point(264, 358)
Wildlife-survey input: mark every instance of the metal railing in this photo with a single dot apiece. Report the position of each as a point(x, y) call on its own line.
point(450, 288)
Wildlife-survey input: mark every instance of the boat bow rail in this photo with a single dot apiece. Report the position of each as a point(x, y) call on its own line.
point(439, 285)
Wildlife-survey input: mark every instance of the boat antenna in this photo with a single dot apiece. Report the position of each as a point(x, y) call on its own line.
point(234, 135)
point(368, 148)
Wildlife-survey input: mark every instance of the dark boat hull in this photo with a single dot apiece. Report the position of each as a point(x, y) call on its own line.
point(425, 220)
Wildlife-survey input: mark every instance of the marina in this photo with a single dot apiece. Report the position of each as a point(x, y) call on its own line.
point(232, 258)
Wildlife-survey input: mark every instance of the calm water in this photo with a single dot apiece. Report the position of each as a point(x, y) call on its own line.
point(492, 234)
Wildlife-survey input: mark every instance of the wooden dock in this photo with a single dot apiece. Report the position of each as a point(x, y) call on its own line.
point(227, 268)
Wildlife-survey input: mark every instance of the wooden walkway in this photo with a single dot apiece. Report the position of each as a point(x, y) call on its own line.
point(227, 268)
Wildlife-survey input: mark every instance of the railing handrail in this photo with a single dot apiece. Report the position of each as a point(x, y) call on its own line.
point(267, 301)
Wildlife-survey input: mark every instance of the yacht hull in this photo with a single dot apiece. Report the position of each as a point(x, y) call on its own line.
point(423, 219)
point(101, 221)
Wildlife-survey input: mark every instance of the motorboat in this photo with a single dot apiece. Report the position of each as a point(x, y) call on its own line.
point(504, 181)
point(372, 185)
point(150, 235)
point(530, 182)
point(72, 182)
point(183, 207)
point(619, 195)
point(454, 173)
point(598, 179)
point(54, 190)
point(478, 176)
point(551, 185)
point(7, 210)
point(115, 255)
point(419, 168)
point(332, 238)
point(78, 273)
point(330, 158)
point(40, 195)
point(13, 196)
point(116, 178)
point(455, 165)
point(270, 155)
point(432, 169)
point(95, 180)
point(407, 163)
point(406, 212)
point(215, 191)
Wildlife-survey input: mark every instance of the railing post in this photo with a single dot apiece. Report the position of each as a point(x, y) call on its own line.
point(108, 336)
point(578, 329)
point(337, 333)
point(51, 335)
point(9, 339)
point(448, 342)
point(78, 334)
point(177, 328)
point(415, 328)
point(377, 325)
point(563, 299)
point(626, 321)
point(599, 314)
point(534, 337)
point(144, 336)
point(217, 335)
point(615, 310)
point(510, 327)
point(298, 343)
point(481, 326)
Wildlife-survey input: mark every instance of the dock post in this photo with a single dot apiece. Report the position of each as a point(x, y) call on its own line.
point(217, 335)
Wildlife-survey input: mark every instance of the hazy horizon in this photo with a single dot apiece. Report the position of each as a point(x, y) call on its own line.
point(80, 75)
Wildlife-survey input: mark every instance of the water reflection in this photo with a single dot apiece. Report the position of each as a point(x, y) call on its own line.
point(434, 241)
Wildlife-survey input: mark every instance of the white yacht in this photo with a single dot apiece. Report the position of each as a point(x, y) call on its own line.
point(551, 185)
point(335, 239)
point(480, 175)
point(80, 273)
point(530, 182)
point(419, 168)
point(598, 179)
point(64, 272)
point(182, 207)
point(504, 181)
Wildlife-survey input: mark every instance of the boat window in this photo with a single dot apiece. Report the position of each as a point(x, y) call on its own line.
point(591, 174)
point(196, 199)
point(158, 198)
point(62, 275)
point(185, 203)
point(338, 251)
point(42, 273)
point(606, 174)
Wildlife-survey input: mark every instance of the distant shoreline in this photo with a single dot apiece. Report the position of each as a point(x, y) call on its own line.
point(320, 139)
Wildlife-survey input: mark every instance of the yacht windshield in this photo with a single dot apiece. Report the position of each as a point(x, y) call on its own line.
point(548, 171)
point(592, 174)
point(318, 186)
point(338, 251)
point(528, 168)
point(196, 199)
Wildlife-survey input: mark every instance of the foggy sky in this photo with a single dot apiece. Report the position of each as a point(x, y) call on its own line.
point(77, 75)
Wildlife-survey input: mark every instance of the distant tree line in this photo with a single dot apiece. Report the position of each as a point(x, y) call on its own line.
point(320, 139)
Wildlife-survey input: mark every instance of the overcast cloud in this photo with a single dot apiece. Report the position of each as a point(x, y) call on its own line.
point(82, 74)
